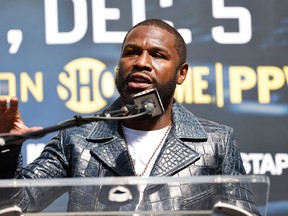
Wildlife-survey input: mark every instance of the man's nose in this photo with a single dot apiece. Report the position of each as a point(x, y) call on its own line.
point(144, 61)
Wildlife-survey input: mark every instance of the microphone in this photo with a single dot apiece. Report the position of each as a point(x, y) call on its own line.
point(146, 103)
point(149, 100)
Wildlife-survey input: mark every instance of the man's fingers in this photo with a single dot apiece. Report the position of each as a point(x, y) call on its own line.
point(3, 104)
point(13, 104)
point(32, 129)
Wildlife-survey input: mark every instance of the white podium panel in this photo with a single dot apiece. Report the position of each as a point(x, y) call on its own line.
point(199, 195)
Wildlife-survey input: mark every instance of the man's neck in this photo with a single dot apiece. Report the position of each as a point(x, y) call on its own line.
point(154, 123)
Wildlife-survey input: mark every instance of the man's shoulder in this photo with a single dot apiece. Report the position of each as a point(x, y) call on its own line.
point(183, 111)
point(212, 126)
point(209, 126)
point(83, 130)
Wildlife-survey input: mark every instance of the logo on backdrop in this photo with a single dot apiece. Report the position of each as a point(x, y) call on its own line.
point(263, 163)
point(85, 85)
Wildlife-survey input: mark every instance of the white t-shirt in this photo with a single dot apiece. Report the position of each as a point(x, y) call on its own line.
point(142, 145)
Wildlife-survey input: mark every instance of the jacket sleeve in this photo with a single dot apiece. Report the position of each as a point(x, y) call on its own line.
point(232, 161)
point(51, 163)
point(238, 193)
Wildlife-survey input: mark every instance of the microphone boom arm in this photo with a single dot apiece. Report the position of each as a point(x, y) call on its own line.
point(147, 102)
point(7, 139)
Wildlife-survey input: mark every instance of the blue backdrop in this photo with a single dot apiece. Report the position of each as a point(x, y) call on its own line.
point(58, 58)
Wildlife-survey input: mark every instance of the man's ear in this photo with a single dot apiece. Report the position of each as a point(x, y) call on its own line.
point(182, 72)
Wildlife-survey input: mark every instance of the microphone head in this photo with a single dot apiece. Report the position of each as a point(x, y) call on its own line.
point(149, 106)
point(150, 100)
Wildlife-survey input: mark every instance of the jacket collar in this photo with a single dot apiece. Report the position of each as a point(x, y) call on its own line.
point(113, 151)
point(186, 124)
point(110, 147)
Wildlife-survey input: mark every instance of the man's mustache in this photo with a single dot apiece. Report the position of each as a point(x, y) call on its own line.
point(147, 73)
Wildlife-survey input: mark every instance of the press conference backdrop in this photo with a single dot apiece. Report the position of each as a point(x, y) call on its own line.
point(58, 57)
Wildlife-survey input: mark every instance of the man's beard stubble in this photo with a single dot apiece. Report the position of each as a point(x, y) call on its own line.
point(165, 90)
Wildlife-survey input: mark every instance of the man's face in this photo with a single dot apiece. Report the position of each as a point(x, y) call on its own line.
point(149, 60)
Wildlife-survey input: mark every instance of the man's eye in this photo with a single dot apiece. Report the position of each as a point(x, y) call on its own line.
point(130, 52)
point(158, 55)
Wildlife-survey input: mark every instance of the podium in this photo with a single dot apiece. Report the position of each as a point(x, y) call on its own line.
point(131, 195)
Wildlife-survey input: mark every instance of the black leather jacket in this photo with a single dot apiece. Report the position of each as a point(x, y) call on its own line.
point(193, 147)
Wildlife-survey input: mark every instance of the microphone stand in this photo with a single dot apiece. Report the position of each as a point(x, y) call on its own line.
point(121, 114)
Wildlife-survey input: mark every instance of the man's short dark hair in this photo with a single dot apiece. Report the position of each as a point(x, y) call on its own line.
point(179, 41)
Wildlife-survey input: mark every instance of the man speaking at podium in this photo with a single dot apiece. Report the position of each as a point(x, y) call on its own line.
point(175, 143)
